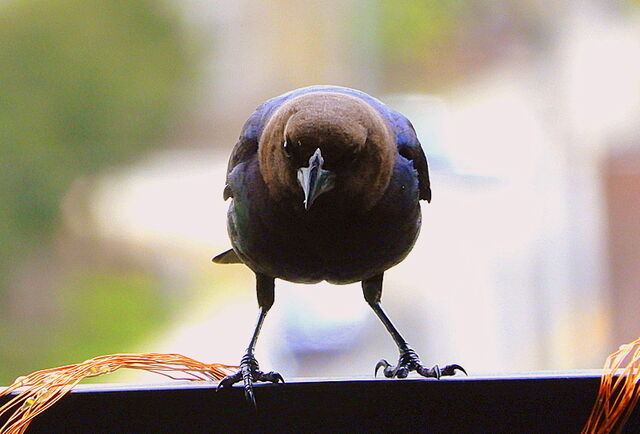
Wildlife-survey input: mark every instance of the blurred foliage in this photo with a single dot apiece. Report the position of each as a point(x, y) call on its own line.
point(96, 314)
point(114, 310)
point(418, 39)
point(84, 84)
point(413, 29)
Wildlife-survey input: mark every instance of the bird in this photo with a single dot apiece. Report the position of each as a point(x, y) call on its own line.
point(325, 184)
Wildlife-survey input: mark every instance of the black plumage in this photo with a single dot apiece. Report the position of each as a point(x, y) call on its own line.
point(325, 184)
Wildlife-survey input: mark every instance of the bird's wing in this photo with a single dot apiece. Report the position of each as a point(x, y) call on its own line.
point(247, 145)
point(409, 147)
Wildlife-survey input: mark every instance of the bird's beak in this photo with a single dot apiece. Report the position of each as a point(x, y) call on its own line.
point(315, 180)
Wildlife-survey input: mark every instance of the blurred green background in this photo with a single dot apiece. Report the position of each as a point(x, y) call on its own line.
point(86, 85)
point(114, 114)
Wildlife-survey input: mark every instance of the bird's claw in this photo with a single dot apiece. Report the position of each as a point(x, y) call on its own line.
point(273, 377)
point(451, 370)
point(249, 373)
point(409, 361)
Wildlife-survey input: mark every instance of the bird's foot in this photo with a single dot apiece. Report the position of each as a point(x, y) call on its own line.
point(409, 361)
point(249, 373)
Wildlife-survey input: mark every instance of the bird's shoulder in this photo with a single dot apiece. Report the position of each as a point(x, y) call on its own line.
point(410, 148)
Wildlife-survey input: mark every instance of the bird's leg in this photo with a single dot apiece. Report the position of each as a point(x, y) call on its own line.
point(409, 360)
point(249, 369)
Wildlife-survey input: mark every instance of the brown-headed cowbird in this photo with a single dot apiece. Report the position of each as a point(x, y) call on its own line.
point(325, 184)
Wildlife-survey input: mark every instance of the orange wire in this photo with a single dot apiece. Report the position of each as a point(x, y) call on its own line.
point(44, 388)
point(619, 391)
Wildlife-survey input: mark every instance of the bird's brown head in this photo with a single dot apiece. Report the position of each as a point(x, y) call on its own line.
point(320, 142)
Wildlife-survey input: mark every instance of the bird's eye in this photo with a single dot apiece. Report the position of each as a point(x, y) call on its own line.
point(287, 148)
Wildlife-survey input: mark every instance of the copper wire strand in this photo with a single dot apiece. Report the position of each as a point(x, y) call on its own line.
point(618, 392)
point(44, 388)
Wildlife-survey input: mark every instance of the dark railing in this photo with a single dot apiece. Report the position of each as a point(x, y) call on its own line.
point(537, 402)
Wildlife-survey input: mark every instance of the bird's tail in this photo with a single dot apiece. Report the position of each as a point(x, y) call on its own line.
point(228, 257)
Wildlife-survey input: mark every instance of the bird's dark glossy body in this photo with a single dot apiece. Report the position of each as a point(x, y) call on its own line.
point(332, 241)
point(336, 240)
